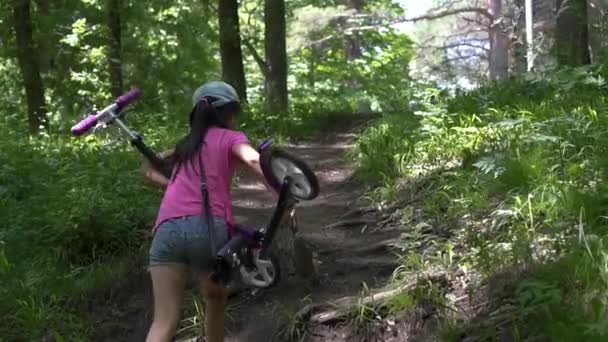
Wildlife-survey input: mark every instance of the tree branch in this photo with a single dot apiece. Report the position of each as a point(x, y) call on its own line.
point(456, 36)
point(454, 45)
point(473, 21)
point(446, 13)
point(256, 56)
point(402, 19)
point(432, 16)
point(459, 58)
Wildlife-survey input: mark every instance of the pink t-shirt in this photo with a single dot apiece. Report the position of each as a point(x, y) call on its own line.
point(183, 194)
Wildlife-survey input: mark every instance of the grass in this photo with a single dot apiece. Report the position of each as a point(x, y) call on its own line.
point(293, 327)
point(517, 176)
point(76, 213)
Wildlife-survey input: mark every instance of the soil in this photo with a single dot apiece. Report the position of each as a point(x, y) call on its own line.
point(345, 257)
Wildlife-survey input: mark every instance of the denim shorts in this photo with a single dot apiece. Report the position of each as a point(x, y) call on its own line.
point(185, 240)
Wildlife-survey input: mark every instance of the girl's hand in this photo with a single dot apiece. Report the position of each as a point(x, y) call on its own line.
point(251, 158)
point(152, 175)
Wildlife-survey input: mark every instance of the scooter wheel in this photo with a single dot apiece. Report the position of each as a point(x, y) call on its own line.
point(266, 274)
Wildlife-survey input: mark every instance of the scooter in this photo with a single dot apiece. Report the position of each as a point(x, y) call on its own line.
point(248, 250)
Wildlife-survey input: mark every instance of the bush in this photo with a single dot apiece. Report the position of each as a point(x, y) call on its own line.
point(67, 206)
point(77, 213)
point(527, 183)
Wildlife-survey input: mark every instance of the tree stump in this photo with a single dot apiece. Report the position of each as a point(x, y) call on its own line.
point(295, 256)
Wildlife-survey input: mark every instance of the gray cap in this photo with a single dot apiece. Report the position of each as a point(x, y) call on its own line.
point(222, 91)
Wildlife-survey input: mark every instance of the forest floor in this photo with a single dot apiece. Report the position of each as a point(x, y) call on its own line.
point(352, 255)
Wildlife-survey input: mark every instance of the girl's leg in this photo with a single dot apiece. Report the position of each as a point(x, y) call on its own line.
point(168, 282)
point(215, 303)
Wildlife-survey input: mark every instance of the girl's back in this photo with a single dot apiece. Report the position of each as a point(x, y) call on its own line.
point(183, 194)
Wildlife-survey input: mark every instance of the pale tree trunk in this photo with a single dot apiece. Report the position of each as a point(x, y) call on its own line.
point(115, 45)
point(275, 47)
point(499, 42)
point(572, 41)
point(519, 47)
point(529, 8)
point(230, 47)
point(598, 28)
point(544, 27)
point(29, 63)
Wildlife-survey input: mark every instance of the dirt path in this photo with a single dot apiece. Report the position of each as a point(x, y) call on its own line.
point(344, 256)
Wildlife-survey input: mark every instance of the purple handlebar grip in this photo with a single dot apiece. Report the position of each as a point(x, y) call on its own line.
point(264, 145)
point(128, 97)
point(85, 124)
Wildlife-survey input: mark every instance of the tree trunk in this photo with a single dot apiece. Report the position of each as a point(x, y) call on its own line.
point(499, 42)
point(572, 41)
point(29, 63)
point(352, 45)
point(519, 47)
point(231, 53)
point(529, 9)
point(312, 66)
point(45, 30)
point(352, 51)
point(116, 84)
point(276, 56)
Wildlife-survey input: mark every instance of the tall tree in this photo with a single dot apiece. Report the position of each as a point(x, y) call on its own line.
point(29, 63)
point(466, 41)
point(115, 45)
point(44, 21)
point(499, 42)
point(572, 40)
point(598, 29)
point(231, 53)
point(352, 51)
point(352, 45)
point(276, 56)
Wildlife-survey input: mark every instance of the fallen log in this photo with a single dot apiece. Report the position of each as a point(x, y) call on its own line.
point(324, 313)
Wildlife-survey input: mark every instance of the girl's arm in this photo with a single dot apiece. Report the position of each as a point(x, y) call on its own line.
point(251, 158)
point(154, 176)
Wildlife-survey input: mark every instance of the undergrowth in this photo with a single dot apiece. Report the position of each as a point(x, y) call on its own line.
point(517, 175)
point(75, 210)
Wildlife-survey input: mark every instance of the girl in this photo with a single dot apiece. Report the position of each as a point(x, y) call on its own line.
point(181, 236)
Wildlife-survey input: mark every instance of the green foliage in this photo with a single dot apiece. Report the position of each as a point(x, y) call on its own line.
point(293, 325)
point(379, 154)
point(326, 77)
point(520, 169)
point(328, 80)
point(75, 210)
point(70, 208)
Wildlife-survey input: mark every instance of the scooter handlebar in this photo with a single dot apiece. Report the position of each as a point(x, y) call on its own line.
point(85, 124)
point(91, 120)
point(128, 97)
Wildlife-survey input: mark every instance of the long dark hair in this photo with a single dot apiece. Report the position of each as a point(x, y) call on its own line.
point(202, 117)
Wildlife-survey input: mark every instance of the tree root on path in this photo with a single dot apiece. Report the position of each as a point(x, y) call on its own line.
point(326, 313)
point(349, 223)
point(381, 246)
point(359, 211)
point(382, 217)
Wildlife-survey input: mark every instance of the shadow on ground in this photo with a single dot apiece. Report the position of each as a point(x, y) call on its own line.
point(344, 260)
point(344, 264)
